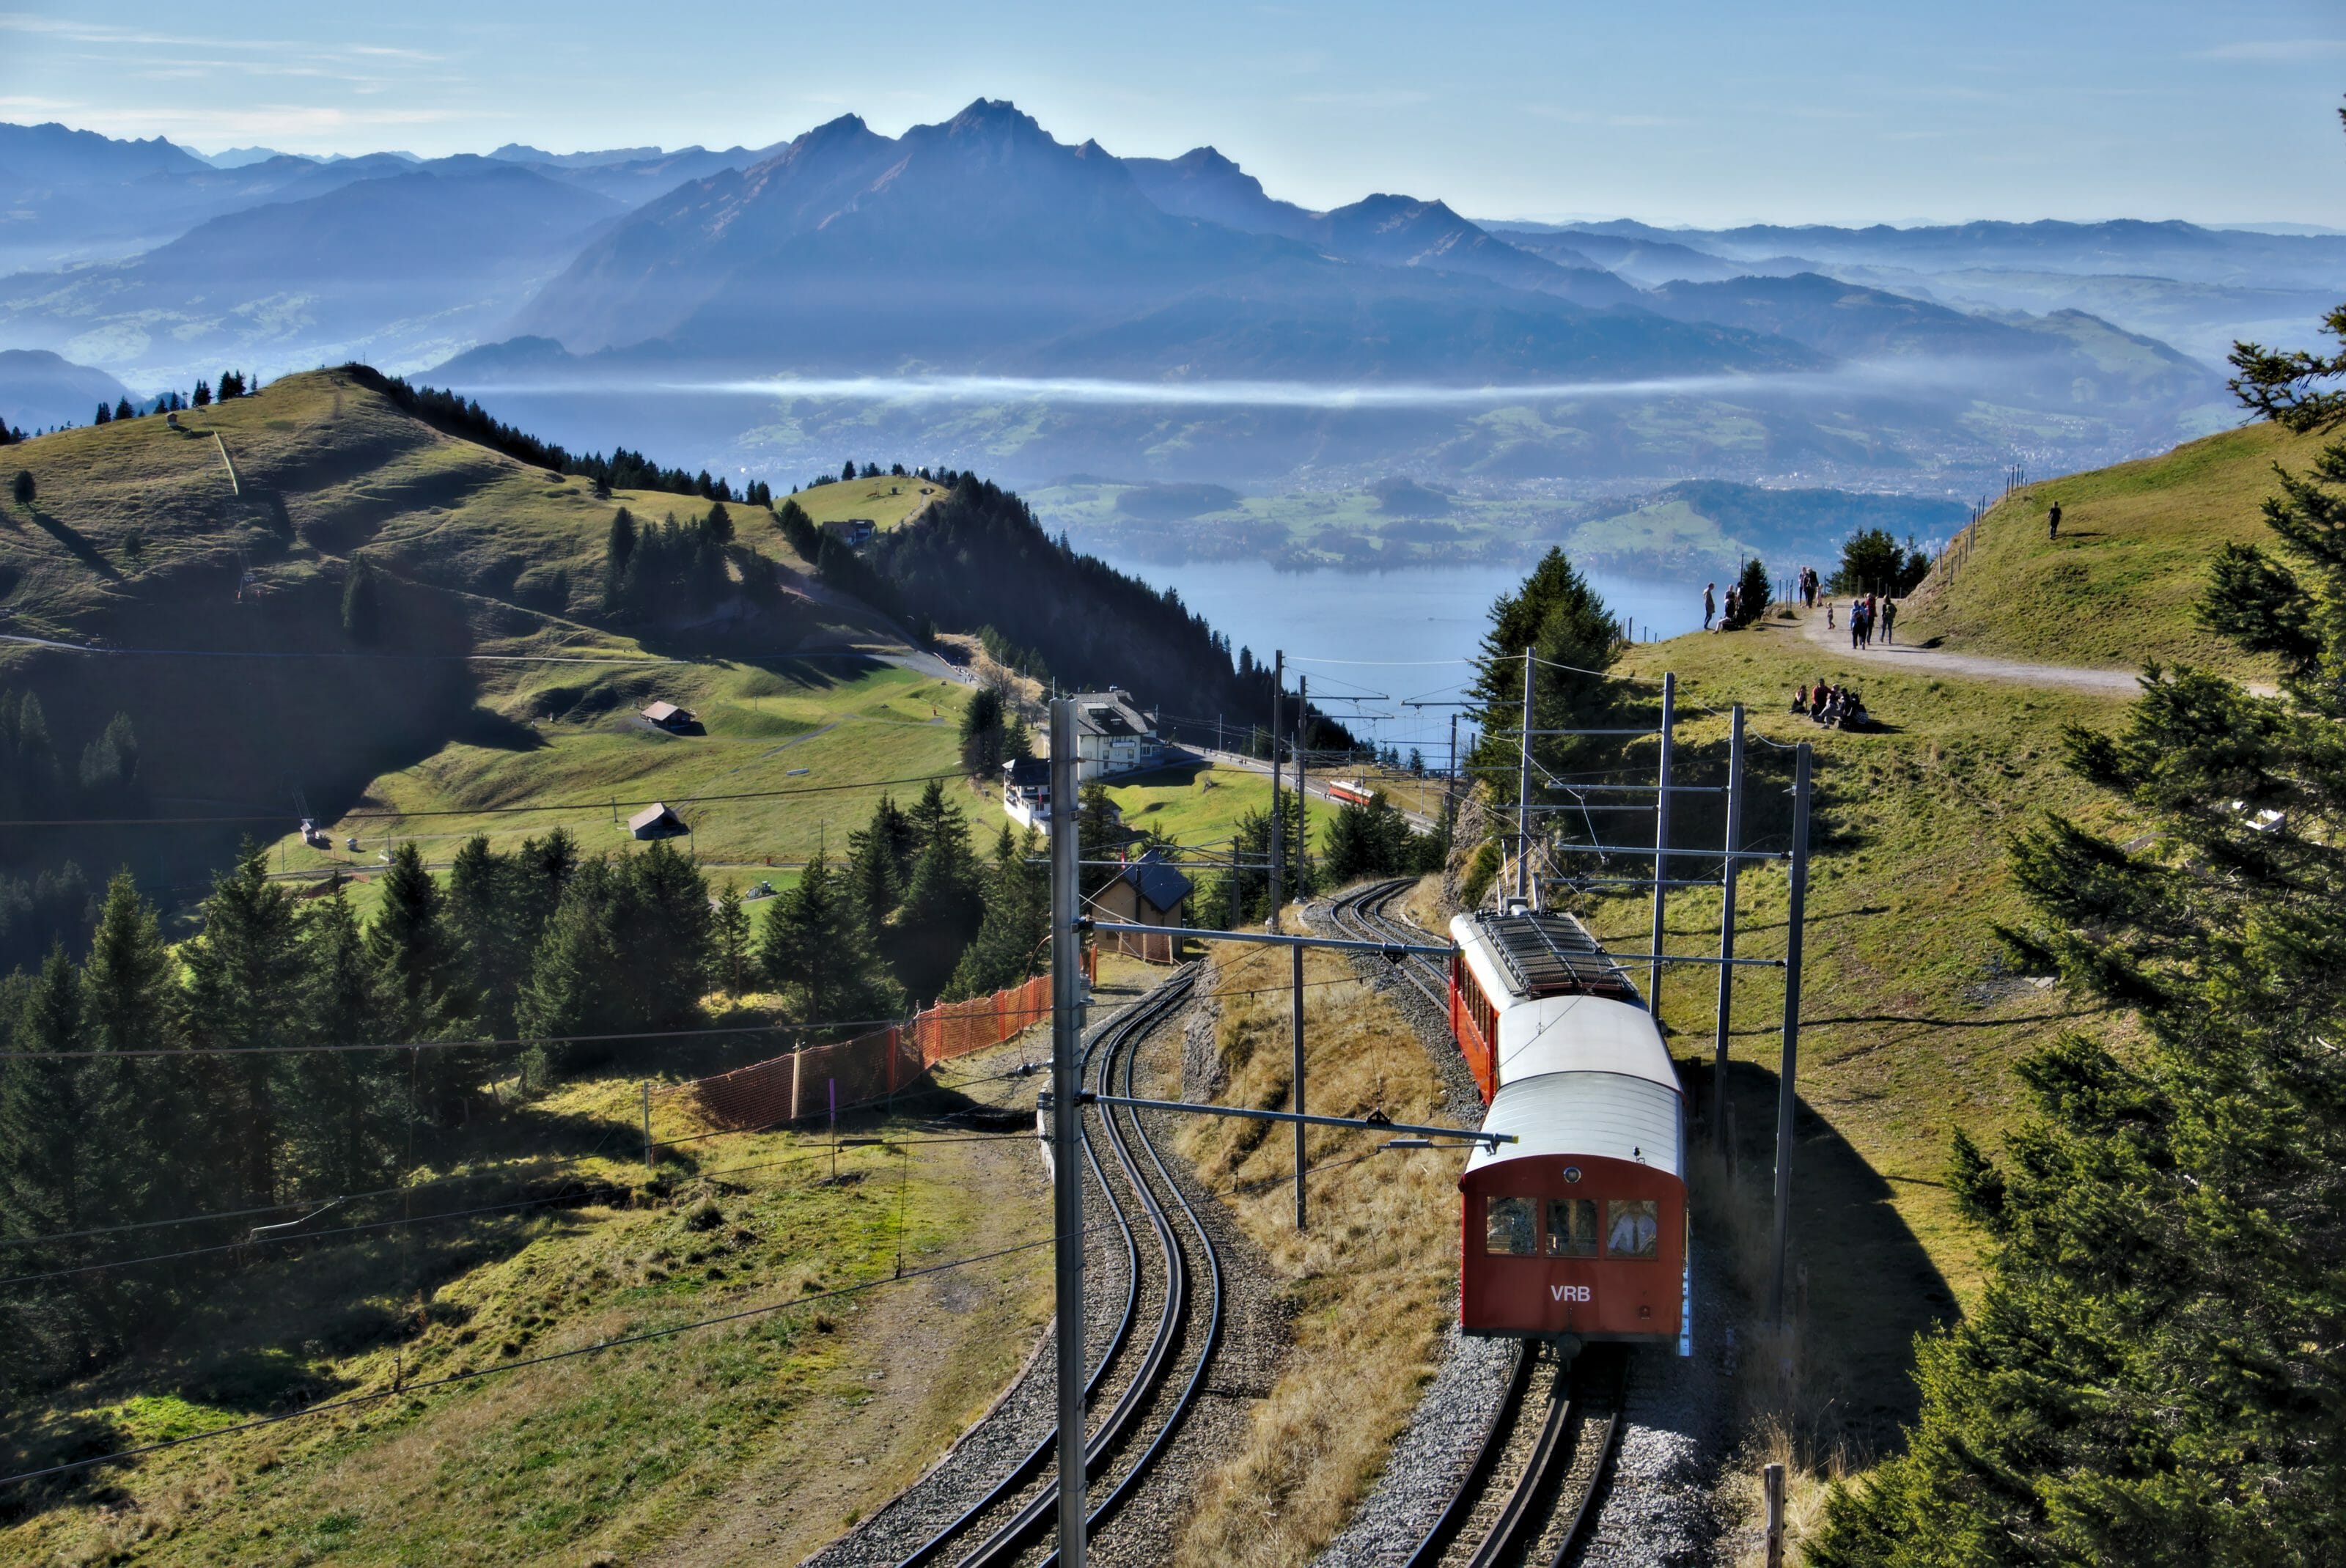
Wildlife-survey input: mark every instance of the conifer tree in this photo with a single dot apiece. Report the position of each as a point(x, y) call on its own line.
point(814, 949)
point(880, 862)
point(361, 603)
point(203, 393)
point(23, 488)
point(618, 549)
point(244, 983)
point(2154, 1372)
point(105, 414)
point(728, 941)
point(944, 901)
point(1011, 942)
point(982, 734)
point(128, 992)
point(1562, 622)
point(409, 940)
point(347, 1106)
point(42, 1122)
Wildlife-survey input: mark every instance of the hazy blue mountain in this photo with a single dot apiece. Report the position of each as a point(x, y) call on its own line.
point(983, 242)
point(1202, 183)
point(1387, 230)
point(1647, 263)
point(53, 154)
point(518, 152)
point(39, 389)
point(400, 270)
point(245, 157)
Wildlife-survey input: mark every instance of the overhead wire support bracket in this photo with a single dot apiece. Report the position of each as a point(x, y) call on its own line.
point(1341, 944)
point(1363, 1123)
point(1713, 854)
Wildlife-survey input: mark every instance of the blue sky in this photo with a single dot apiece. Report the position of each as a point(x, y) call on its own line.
point(1701, 111)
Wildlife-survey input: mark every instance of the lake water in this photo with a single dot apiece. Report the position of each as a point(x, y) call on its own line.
point(1372, 641)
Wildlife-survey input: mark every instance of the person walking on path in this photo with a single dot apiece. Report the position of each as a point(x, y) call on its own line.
point(2053, 522)
point(1890, 622)
point(1829, 615)
point(1709, 604)
point(1856, 624)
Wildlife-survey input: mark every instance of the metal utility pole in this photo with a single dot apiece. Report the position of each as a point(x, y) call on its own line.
point(1450, 782)
point(1301, 1216)
point(1066, 1132)
point(1788, 1072)
point(1727, 925)
point(1277, 831)
point(1661, 842)
point(1302, 790)
point(1524, 790)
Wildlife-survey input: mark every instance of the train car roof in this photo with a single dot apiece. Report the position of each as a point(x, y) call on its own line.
point(1543, 953)
point(1609, 1115)
point(1582, 1034)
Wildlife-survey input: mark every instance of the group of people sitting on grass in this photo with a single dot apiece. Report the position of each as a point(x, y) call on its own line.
point(1834, 707)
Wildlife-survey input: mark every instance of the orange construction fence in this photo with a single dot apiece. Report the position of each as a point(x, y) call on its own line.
point(817, 1080)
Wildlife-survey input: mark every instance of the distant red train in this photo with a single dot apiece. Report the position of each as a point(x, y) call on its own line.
point(1578, 1230)
point(1351, 792)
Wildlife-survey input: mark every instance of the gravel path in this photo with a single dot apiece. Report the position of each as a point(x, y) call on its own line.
point(1916, 658)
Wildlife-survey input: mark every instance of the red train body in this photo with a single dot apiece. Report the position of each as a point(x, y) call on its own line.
point(1350, 791)
point(1578, 1228)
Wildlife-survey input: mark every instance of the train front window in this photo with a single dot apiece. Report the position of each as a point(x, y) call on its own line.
point(1633, 1227)
point(1572, 1227)
point(1507, 1226)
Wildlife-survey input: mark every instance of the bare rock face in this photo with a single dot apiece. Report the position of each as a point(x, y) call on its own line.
point(1472, 827)
point(1203, 1073)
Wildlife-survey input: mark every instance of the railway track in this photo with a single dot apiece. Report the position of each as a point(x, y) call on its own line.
point(1171, 1265)
point(1530, 1495)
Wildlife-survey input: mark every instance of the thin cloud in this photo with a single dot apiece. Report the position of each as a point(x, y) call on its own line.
point(2280, 51)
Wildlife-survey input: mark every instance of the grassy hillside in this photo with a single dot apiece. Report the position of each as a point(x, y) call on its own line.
point(2119, 586)
point(888, 501)
point(1911, 1018)
point(726, 1442)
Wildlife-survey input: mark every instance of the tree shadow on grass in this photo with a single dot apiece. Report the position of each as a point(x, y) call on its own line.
point(1870, 1287)
point(79, 547)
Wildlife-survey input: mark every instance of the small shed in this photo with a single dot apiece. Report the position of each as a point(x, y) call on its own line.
point(669, 717)
point(1150, 891)
point(657, 821)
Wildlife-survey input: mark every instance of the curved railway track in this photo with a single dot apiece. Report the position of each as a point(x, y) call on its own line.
point(1176, 1269)
point(1530, 1495)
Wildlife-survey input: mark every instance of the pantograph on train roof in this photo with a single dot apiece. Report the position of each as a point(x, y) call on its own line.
point(1549, 954)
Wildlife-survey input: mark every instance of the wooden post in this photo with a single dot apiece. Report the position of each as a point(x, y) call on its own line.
point(1727, 921)
point(1771, 1481)
point(1277, 834)
point(648, 1124)
point(1661, 842)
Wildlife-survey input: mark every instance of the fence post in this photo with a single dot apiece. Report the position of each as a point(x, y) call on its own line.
point(1727, 926)
point(797, 1060)
point(648, 1124)
point(1661, 842)
point(1772, 1484)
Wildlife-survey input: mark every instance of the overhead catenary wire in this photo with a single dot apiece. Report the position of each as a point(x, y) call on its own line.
point(352, 1400)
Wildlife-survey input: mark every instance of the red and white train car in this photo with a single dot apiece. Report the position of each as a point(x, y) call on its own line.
point(1577, 1230)
point(1351, 792)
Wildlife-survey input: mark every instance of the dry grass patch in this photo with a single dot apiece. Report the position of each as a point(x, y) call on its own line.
point(1372, 1281)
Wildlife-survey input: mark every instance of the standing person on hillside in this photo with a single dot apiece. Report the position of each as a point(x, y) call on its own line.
point(1856, 624)
point(1829, 615)
point(1709, 604)
point(1890, 622)
point(2053, 522)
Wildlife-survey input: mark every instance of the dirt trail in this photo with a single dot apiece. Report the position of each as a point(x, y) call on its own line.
point(2067, 677)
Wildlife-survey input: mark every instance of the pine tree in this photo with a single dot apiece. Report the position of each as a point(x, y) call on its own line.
point(2154, 1373)
point(1751, 594)
point(728, 941)
point(361, 603)
point(1562, 622)
point(244, 982)
point(410, 942)
point(880, 862)
point(347, 1106)
point(23, 487)
point(105, 414)
point(981, 735)
point(943, 901)
point(41, 1112)
point(1099, 835)
point(128, 990)
point(570, 990)
point(492, 934)
point(122, 410)
point(203, 394)
point(1011, 942)
point(666, 916)
point(717, 524)
point(814, 949)
point(618, 550)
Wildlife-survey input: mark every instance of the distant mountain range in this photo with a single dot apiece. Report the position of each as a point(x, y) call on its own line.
point(984, 247)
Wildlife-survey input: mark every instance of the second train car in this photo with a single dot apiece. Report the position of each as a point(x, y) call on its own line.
point(1577, 1230)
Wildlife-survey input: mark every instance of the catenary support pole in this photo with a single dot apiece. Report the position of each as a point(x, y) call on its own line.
point(1524, 879)
point(1449, 785)
point(1789, 1071)
point(1726, 924)
point(1662, 841)
point(1302, 1216)
point(1277, 832)
point(1066, 1133)
point(1302, 790)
